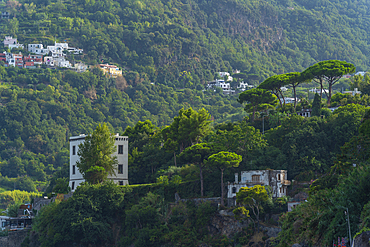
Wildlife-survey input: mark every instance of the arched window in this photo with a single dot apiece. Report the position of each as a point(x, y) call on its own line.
point(233, 190)
point(279, 177)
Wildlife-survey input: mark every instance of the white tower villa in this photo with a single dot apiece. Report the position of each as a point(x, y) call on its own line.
point(121, 177)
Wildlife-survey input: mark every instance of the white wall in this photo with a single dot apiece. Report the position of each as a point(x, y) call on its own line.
point(77, 178)
point(267, 177)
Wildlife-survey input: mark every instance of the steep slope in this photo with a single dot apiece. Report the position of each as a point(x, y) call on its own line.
point(163, 38)
point(41, 108)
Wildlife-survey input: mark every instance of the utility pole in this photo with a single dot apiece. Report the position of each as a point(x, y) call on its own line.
point(349, 227)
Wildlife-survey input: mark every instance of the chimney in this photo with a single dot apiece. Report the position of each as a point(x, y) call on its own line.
point(236, 178)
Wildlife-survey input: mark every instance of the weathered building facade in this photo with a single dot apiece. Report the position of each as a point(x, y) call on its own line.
point(276, 179)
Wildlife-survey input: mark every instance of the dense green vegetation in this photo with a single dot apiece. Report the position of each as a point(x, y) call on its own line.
point(36, 120)
point(342, 190)
point(168, 51)
point(300, 145)
point(41, 108)
point(147, 221)
point(162, 39)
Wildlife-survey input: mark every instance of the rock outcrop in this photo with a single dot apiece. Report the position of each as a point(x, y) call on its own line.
point(362, 240)
point(224, 223)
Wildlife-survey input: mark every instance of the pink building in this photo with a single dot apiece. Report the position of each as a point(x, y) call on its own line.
point(37, 59)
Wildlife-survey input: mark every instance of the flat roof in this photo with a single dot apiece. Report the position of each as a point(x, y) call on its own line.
point(80, 137)
point(83, 136)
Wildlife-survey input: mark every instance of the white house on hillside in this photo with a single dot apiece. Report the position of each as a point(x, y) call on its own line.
point(289, 100)
point(37, 49)
point(314, 90)
point(244, 86)
point(225, 86)
point(62, 62)
point(223, 74)
point(361, 73)
point(354, 92)
point(56, 49)
point(121, 176)
point(11, 42)
point(276, 179)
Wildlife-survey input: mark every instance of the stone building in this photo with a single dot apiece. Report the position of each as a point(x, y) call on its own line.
point(121, 176)
point(276, 179)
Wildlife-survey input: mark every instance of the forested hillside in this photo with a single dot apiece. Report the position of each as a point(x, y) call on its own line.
point(154, 42)
point(41, 108)
point(160, 39)
point(157, 105)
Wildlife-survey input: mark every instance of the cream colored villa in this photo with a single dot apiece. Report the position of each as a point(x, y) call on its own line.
point(121, 177)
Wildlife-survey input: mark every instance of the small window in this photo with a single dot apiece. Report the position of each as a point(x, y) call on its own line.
point(120, 169)
point(73, 185)
point(255, 178)
point(280, 190)
point(234, 190)
point(120, 149)
point(74, 150)
point(278, 177)
point(120, 182)
point(74, 169)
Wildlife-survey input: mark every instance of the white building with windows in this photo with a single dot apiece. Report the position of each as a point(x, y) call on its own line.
point(62, 62)
point(276, 179)
point(9, 40)
point(318, 90)
point(223, 74)
point(121, 176)
point(225, 86)
point(289, 100)
point(57, 49)
point(37, 49)
point(244, 86)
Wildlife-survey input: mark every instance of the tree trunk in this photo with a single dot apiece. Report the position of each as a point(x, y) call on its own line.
point(282, 96)
point(277, 95)
point(254, 112)
point(201, 180)
point(258, 219)
point(254, 212)
point(295, 96)
point(174, 158)
point(222, 187)
point(329, 97)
